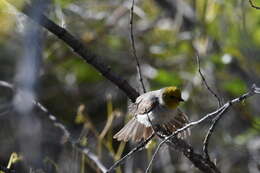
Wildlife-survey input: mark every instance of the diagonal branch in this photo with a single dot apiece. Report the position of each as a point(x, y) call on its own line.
point(64, 129)
point(80, 49)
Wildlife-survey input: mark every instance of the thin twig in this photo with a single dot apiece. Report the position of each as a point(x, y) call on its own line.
point(214, 123)
point(254, 6)
point(197, 160)
point(209, 134)
point(137, 148)
point(42, 108)
point(254, 90)
point(64, 129)
point(205, 82)
point(133, 46)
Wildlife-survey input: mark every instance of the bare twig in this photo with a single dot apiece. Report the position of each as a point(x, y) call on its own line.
point(137, 148)
point(198, 160)
point(254, 6)
point(254, 90)
point(133, 46)
point(205, 82)
point(64, 129)
point(209, 134)
point(214, 123)
point(42, 108)
point(80, 49)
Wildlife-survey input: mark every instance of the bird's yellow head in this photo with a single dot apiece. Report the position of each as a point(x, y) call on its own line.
point(172, 97)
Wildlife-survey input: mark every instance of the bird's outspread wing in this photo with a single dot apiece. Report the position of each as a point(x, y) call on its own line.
point(144, 104)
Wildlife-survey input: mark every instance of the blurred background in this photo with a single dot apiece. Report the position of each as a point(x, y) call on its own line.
point(168, 34)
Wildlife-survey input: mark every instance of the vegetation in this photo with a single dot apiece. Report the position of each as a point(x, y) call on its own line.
point(79, 108)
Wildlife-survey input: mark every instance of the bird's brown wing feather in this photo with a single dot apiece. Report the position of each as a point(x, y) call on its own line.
point(178, 121)
point(143, 106)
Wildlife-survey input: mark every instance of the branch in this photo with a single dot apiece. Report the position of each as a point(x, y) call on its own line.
point(133, 46)
point(80, 49)
point(200, 163)
point(254, 6)
point(213, 125)
point(198, 160)
point(205, 82)
point(134, 150)
point(64, 129)
point(209, 134)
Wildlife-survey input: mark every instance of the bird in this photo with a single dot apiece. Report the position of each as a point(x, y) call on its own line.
point(154, 109)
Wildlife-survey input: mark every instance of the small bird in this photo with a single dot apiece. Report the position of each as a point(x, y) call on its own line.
point(157, 108)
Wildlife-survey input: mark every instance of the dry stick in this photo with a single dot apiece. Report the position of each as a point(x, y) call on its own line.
point(133, 46)
point(79, 48)
point(64, 129)
point(137, 148)
point(209, 134)
point(213, 125)
point(254, 6)
point(205, 82)
point(254, 90)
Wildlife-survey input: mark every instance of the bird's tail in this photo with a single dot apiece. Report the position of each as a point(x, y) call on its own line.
point(133, 130)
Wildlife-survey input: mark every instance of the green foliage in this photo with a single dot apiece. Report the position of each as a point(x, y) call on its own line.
point(82, 71)
point(235, 86)
point(167, 45)
point(166, 78)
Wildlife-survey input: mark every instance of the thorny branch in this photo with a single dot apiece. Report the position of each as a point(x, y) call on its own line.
point(220, 111)
point(133, 46)
point(215, 121)
point(64, 129)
